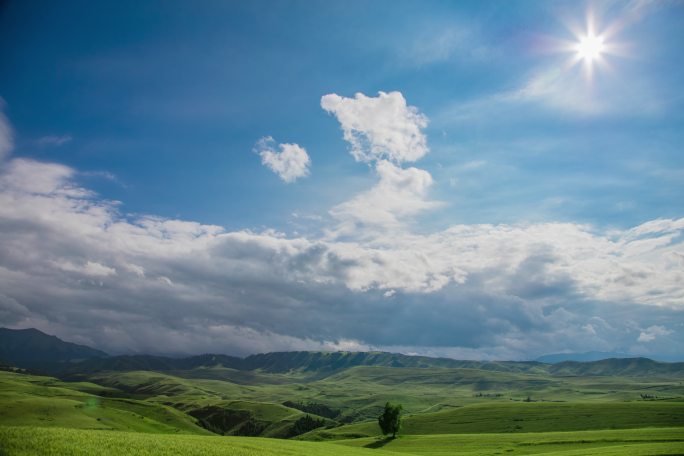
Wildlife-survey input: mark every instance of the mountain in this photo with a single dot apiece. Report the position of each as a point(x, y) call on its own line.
point(309, 363)
point(123, 363)
point(335, 361)
point(33, 349)
point(583, 357)
point(630, 367)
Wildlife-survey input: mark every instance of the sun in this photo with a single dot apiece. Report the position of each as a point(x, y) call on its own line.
point(590, 47)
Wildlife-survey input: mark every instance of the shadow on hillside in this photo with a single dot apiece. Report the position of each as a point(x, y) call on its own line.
point(379, 443)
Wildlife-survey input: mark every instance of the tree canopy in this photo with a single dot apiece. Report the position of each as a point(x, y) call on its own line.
point(390, 420)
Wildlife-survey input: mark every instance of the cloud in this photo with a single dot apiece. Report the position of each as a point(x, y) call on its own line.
point(383, 131)
point(90, 268)
point(399, 194)
point(434, 43)
point(650, 333)
point(379, 128)
point(71, 264)
point(6, 140)
point(40, 178)
point(291, 163)
point(53, 140)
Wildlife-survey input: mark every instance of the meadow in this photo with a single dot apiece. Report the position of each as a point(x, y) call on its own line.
point(214, 409)
point(25, 441)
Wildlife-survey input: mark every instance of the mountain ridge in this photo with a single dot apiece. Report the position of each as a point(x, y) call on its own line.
point(33, 349)
point(54, 356)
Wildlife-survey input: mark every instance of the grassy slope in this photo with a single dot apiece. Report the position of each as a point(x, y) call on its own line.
point(362, 391)
point(524, 417)
point(44, 401)
point(24, 441)
point(652, 441)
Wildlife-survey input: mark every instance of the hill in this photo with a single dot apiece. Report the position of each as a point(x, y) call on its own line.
point(582, 357)
point(33, 349)
point(628, 367)
point(31, 400)
point(313, 365)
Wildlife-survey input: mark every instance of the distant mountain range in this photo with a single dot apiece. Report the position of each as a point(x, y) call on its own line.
point(33, 349)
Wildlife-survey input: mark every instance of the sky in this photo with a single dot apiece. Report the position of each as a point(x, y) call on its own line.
point(475, 180)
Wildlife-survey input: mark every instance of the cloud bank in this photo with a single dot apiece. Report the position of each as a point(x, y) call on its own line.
point(72, 264)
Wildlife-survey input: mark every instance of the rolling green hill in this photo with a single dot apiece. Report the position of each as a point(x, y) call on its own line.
point(632, 367)
point(31, 400)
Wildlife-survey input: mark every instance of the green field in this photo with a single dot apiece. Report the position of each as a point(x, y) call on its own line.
point(55, 441)
point(508, 409)
point(650, 441)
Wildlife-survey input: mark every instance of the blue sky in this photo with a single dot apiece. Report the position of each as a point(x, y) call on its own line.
point(141, 126)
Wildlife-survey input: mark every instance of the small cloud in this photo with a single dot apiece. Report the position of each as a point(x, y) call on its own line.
point(291, 163)
point(53, 140)
point(589, 328)
point(650, 334)
point(102, 174)
point(475, 164)
point(90, 268)
point(389, 293)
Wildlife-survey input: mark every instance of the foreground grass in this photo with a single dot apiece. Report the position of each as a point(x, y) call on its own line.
point(25, 441)
point(634, 442)
point(33, 441)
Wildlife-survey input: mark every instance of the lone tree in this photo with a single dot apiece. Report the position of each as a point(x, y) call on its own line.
point(390, 420)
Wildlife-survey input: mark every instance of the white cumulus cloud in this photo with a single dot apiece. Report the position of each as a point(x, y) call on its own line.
point(649, 334)
point(290, 163)
point(382, 127)
point(399, 194)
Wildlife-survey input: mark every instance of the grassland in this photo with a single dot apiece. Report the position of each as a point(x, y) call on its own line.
point(44, 401)
point(448, 410)
point(524, 417)
point(652, 441)
point(22, 441)
point(25, 441)
point(360, 392)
